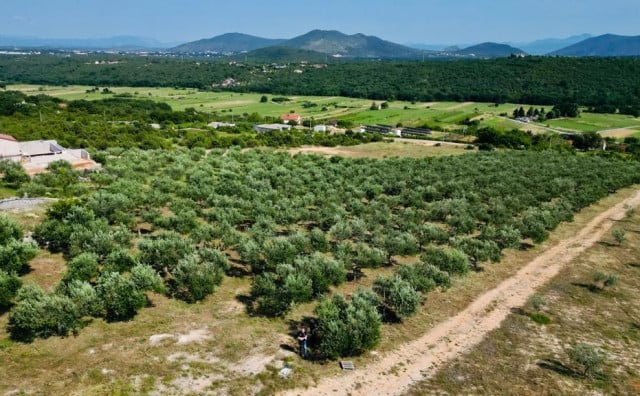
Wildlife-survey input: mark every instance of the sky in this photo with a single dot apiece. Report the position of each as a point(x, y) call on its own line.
point(401, 21)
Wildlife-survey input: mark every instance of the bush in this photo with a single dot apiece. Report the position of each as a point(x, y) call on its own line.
point(120, 260)
point(15, 255)
point(587, 356)
point(537, 301)
point(424, 277)
point(37, 314)
point(398, 295)
point(84, 296)
point(348, 328)
point(322, 271)
point(83, 267)
point(9, 285)
point(9, 230)
point(146, 278)
point(193, 281)
point(120, 296)
point(270, 299)
point(164, 251)
point(618, 235)
point(452, 261)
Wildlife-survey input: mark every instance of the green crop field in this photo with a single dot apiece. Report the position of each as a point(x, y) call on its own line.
point(591, 122)
point(438, 115)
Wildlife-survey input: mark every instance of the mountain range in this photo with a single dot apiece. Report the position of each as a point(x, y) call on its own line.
point(324, 43)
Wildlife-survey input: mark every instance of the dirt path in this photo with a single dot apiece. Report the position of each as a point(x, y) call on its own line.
point(422, 357)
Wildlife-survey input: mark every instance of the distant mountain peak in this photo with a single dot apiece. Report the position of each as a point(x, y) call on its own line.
point(603, 45)
point(490, 50)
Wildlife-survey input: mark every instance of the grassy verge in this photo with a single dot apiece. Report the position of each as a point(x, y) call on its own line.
point(526, 355)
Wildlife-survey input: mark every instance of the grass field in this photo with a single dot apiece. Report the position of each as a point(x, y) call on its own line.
point(445, 115)
point(528, 358)
point(591, 122)
point(176, 348)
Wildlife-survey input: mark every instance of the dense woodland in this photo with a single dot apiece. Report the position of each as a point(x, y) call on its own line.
point(177, 221)
point(532, 80)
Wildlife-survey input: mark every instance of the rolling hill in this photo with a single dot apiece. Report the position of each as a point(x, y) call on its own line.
point(605, 45)
point(489, 50)
point(358, 45)
point(227, 43)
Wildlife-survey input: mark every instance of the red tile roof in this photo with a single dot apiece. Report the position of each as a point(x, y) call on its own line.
point(291, 117)
point(7, 137)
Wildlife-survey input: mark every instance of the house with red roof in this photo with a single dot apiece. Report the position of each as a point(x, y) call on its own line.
point(291, 118)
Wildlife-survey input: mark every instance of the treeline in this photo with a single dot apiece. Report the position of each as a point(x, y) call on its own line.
point(533, 80)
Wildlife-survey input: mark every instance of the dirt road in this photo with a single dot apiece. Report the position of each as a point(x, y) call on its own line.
point(422, 357)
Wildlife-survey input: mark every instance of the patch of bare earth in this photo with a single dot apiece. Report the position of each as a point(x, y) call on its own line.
point(422, 358)
point(618, 133)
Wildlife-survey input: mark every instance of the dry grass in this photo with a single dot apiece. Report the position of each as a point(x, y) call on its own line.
point(386, 150)
point(229, 351)
point(526, 358)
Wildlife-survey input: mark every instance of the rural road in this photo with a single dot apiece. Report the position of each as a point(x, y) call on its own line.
point(423, 357)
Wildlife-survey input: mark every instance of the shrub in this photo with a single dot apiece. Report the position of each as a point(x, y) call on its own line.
point(424, 277)
point(348, 328)
point(618, 235)
point(15, 255)
point(586, 356)
point(537, 301)
point(270, 299)
point(9, 285)
point(146, 278)
point(322, 271)
point(164, 251)
point(83, 267)
point(84, 296)
point(9, 229)
point(452, 261)
point(120, 296)
point(37, 314)
point(120, 260)
point(398, 295)
point(193, 281)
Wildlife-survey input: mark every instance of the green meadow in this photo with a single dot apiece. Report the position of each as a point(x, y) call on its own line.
point(447, 116)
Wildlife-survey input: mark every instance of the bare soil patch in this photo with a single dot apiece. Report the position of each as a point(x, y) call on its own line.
point(619, 133)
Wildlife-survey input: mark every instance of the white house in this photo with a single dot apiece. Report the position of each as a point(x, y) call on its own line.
point(271, 127)
point(36, 155)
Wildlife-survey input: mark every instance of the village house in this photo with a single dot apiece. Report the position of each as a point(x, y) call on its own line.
point(291, 118)
point(271, 127)
point(36, 155)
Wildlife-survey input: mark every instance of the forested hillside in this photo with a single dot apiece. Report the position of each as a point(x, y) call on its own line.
point(533, 80)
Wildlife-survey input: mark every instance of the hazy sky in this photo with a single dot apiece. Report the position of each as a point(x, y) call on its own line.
point(403, 21)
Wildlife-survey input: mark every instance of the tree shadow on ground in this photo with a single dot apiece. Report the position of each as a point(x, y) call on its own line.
point(607, 244)
point(634, 265)
point(247, 301)
point(238, 271)
point(589, 286)
point(518, 311)
point(525, 246)
point(558, 367)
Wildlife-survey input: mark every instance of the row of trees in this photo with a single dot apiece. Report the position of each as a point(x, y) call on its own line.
point(297, 225)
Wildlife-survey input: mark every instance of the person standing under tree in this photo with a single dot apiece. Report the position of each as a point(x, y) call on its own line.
point(302, 341)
